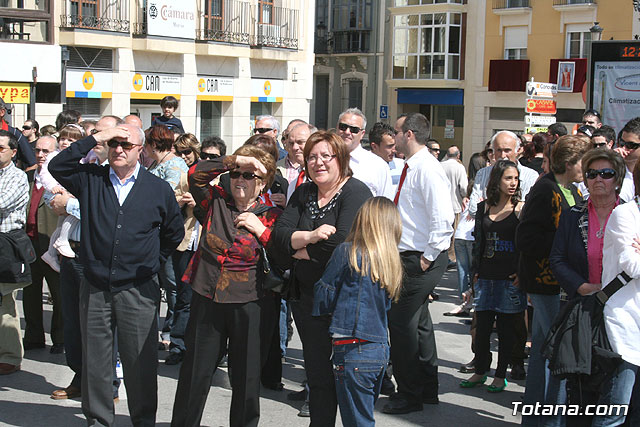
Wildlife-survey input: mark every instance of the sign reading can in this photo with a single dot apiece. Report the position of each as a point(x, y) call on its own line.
point(215, 88)
point(15, 93)
point(541, 106)
point(155, 86)
point(541, 90)
point(539, 120)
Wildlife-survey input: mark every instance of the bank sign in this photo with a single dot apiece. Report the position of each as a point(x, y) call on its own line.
point(211, 88)
point(155, 86)
point(171, 18)
point(89, 84)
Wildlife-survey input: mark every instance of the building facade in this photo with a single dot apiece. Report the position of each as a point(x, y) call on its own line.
point(226, 61)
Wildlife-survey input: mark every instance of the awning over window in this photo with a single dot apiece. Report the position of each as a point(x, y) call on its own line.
point(431, 96)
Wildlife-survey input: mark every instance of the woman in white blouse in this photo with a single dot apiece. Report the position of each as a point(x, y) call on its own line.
point(621, 252)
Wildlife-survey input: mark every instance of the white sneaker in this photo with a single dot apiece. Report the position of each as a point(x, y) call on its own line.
point(52, 261)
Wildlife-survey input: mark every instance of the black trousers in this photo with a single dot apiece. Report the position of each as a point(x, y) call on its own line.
point(270, 343)
point(413, 342)
point(519, 340)
point(32, 305)
point(507, 324)
point(317, 349)
point(210, 325)
point(132, 315)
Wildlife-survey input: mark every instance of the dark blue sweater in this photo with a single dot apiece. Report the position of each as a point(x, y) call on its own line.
point(173, 123)
point(120, 245)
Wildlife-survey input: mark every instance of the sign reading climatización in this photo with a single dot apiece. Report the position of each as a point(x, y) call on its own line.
point(540, 100)
point(173, 18)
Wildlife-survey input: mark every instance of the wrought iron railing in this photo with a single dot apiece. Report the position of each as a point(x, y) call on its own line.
point(508, 4)
point(275, 27)
point(350, 41)
point(570, 2)
point(230, 23)
point(103, 15)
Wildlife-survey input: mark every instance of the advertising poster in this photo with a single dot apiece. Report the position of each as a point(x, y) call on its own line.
point(616, 91)
point(155, 86)
point(173, 18)
point(89, 84)
point(211, 88)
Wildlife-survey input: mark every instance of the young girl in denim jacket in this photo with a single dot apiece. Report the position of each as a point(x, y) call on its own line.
point(356, 289)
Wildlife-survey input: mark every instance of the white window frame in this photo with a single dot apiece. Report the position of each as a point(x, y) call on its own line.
point(582, 29)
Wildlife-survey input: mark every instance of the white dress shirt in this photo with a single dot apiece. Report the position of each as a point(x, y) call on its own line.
point(628, 190)
point(425, 207)
point(457, 176)
point(528, 178)
point(622, 310)
point(373, 171)
point(122, 189)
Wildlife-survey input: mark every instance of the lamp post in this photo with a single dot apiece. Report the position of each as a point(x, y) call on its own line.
point(596, 32)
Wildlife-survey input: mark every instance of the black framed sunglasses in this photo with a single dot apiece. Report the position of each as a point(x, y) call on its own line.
point(262, 130)
point(606, 173)
point(599, 144)
point(343, 127)
point(246, 175)
point(26, 127)
point(209, 156)
point(184, 152)
point(126, 145)
point(628, 144)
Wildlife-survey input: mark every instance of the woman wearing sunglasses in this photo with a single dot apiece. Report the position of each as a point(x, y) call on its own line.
point(576, 254)
point(225, 276)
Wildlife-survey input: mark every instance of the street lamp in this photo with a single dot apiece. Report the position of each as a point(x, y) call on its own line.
point(596, 32)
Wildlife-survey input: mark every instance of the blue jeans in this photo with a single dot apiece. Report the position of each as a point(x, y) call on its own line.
point(541, 386)
point(622, 389)
point(358, 371)
point(463, 259)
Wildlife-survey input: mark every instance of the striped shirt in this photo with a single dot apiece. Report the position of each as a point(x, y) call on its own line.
point(14, 196)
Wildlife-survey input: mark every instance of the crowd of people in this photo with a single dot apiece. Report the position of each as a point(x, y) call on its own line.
point(345, 237)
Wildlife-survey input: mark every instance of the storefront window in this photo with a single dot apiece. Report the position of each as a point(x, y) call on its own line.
point(427, 46)
point(210, 119)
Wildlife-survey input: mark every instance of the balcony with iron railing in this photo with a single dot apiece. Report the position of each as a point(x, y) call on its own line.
point(511, 4)
point(345, 41)
point(228, 22)
point(96, 15)
point(275, 27)
point(562, 4)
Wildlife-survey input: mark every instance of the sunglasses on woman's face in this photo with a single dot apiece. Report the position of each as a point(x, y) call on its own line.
point(246, 175)
point(184, 152)
point(606, 173)
point(209, 156)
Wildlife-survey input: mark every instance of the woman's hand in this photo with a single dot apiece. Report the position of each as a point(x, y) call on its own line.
point(466, 296)
point(187, 199)
point(279, 199)
point(516, 281)
point(589, 288)
point(251, 222)
point(302, 254)
point(250, 162)
point(636, 244)
point(321, 233)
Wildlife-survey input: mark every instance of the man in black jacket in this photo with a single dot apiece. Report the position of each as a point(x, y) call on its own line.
point(131, 223)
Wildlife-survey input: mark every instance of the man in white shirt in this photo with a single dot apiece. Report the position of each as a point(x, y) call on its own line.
point(427, 218)
point(366, 166)
point(457, 176)
point(629, 149)
point(383, 144)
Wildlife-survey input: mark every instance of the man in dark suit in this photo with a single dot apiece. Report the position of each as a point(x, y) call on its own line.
point(41, 223)
point(131, 223)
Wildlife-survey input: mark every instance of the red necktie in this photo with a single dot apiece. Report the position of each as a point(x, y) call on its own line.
point(402, 177)
point(300, 179)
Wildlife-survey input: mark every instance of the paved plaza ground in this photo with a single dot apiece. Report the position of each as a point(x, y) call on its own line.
point(25, 401)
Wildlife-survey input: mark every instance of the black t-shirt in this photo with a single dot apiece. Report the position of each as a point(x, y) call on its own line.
point(499, 258)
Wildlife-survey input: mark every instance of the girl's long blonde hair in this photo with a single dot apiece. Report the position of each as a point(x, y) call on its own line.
point(375, 235)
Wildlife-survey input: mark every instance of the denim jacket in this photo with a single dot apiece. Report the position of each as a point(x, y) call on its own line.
point(357, 304)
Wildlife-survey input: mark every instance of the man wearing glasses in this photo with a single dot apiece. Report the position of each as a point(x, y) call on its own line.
point(366, 166)
point(131, 223)
point(14, 196)
point(434, 148)
point(592, 118)
point(269, 125)
point(629, 149)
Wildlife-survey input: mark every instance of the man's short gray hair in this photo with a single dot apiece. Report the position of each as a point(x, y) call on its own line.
point(356, 112)
point(273, 122)
point(509, 133)
point(453, 152)
point(53, 138)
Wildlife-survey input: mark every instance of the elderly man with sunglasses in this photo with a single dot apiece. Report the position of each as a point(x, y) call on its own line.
point(629, 149)
point(131, 223)
point(366, 166)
